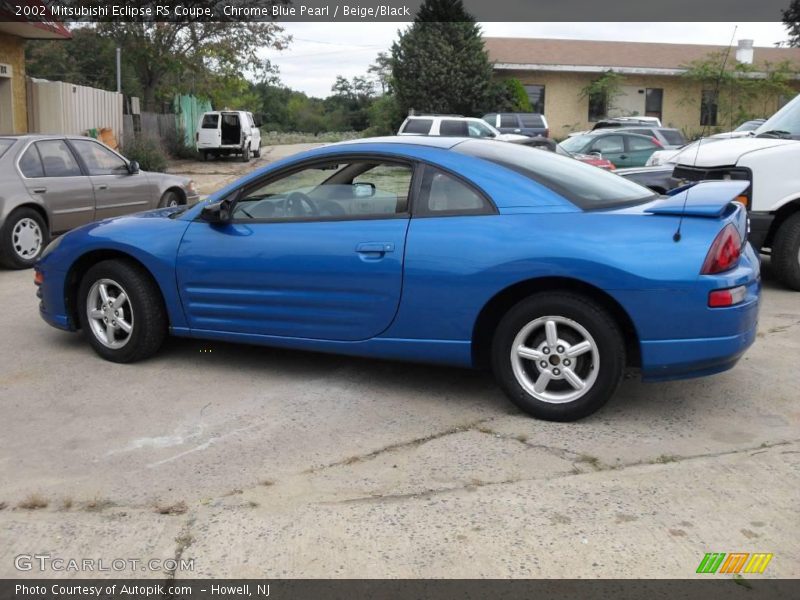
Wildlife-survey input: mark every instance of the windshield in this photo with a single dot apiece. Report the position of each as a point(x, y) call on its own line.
point(584, 185)
point(480, 129)
point(5, 144)
point(786, 119)
point(576, 142)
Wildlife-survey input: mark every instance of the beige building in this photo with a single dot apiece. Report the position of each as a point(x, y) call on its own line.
point(13, 95)
point(554, 73)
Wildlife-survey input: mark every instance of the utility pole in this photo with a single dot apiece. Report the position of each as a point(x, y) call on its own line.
point(119, 70)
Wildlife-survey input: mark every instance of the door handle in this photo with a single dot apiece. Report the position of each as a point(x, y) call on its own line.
point(102, 186)
point(375, 247)
point(39, 190)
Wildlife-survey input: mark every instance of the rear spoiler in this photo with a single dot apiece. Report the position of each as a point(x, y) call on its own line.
point(704, 199)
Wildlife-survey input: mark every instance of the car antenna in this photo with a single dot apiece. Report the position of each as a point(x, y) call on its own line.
point(676, 237)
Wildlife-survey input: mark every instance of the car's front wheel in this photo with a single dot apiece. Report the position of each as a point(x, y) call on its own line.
point(786, 252)
point(121, 311)
point(558, 356)
point(24, 237)
point(169, 199)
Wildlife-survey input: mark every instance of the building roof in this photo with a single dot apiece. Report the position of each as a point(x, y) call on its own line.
point(11, 24)
point(594, 55)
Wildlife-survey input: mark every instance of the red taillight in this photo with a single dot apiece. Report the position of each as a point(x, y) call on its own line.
point(729, 297)
point(546, 133)
point(38, 277)
point(657, 143)
point(724, 253)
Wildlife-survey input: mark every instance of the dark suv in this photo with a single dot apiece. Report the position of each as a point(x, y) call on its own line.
point(531, 124)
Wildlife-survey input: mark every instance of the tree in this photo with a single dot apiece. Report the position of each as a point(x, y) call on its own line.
point(439, 63)
point(381, 70)
point(168, 57)
point(791, 19)
point(602, 93)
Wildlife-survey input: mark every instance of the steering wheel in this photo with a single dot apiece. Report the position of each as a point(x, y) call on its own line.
point(293, 205)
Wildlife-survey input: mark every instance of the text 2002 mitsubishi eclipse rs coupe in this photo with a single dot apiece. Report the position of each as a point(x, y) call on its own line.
point(441, 250)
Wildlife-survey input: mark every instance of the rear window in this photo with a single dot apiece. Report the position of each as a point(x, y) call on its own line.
point(5, 144)
point(584, 185)
point(531, 120)
point(210, 121)
point(418, 126)
point(453, 127)
point(673, 137)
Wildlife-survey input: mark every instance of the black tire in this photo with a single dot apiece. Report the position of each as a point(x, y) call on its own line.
point(148, 317)
point(246, 152)
point(786, 252)
point(257, 152)
point(571, 308)
point(10, 249)
point(170, 198)
point(206, 155)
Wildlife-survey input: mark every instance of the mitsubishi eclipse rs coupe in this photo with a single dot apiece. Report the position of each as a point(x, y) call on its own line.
point(556, 274)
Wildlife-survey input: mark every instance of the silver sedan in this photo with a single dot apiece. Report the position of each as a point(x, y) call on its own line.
point(50, 184)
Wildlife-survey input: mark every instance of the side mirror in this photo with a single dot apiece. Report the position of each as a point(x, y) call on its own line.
point(363, 190)
point(217, 212)
point(133, 167)
point(596, 153)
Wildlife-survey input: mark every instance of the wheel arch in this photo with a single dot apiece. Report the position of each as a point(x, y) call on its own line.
point(178, 190)
point(84, 263)
point(493, 311)
point(38, 208)
point(783, 213)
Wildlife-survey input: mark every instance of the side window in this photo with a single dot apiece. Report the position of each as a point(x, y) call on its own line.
point(210, 122)
point(443, 194)
point(453, 127)
point(491, 119)
point(30, 163)
point(57, 159)
point(339, 190)
point(609, 144)
point(635, 143)
point(99, 160)
point(422, 126)
point(509, 121)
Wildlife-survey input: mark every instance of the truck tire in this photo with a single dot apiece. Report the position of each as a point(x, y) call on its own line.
point(786, 252)
point(246, 153)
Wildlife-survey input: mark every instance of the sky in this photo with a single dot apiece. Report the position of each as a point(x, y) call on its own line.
point(321, 51)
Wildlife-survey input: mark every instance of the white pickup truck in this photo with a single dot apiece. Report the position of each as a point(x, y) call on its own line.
point(769, 159)
point(226, 132)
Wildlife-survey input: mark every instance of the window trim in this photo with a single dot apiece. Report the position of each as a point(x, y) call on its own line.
point(297, 167)
point(85, 167)
point(45, 176)
point(420, 209)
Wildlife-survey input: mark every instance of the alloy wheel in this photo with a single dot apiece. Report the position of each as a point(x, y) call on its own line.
point(110, 314)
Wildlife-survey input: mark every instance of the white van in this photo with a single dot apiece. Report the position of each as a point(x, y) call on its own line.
point(221, 133)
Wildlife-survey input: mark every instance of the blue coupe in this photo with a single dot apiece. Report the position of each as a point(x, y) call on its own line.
point(462, 252)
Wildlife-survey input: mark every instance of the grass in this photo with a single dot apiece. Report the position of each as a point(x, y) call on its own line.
point(269, 138)
point(33, 502)
point(178, 508)
point(3, 505)
point(96, 504)
point(66, 503)
point(590, 460)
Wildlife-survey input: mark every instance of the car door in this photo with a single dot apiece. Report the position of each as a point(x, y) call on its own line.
point(638, 149)
point(255, 133)
point(209, 134)
point(51, 172)
point(610, 147)
point(117, 191)
point(315, 252)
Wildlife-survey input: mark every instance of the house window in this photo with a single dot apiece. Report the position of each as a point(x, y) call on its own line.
point(598, 106)
point(653, 102)
point(708, 107)
point(536, 97)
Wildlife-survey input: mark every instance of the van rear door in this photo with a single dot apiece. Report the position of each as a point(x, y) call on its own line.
point(209, 134)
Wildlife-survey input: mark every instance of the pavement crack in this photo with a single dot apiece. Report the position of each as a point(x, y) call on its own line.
point(397, 446)
point(183, 540)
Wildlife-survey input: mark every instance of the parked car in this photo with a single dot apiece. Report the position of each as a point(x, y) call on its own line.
point(768, 168)
point(455, 125)
point(222, 133)
point(621, 148)
point(673, 156)
point(530, 124)
point(50, 184)
point(669, 138)
point(744, 130)
point(505, 255)
point(658, 179)
point(617, 122)
point(589, 159)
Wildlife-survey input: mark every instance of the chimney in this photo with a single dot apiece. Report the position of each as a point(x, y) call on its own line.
point(744, 52)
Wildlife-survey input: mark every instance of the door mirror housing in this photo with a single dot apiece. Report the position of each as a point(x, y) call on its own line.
point(363, 190)
point(217, 212)
point(596, 153)
point(133, 167)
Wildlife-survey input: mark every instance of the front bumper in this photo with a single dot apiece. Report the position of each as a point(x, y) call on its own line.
point(52, 303)
point(760, 222)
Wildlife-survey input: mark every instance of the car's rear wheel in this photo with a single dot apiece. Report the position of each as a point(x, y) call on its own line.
point(24, 237)
point(246, 153)
point(170, 198)
point(121, 311)
point(786, 252)
point(558, 356)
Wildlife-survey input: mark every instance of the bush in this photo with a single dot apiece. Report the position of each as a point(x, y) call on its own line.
point(178, 148)
point(148, 152)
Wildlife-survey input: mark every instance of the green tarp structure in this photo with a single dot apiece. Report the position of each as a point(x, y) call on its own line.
point(188, 110)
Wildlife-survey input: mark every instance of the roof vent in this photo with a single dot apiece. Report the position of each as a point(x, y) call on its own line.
point(744, 52)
